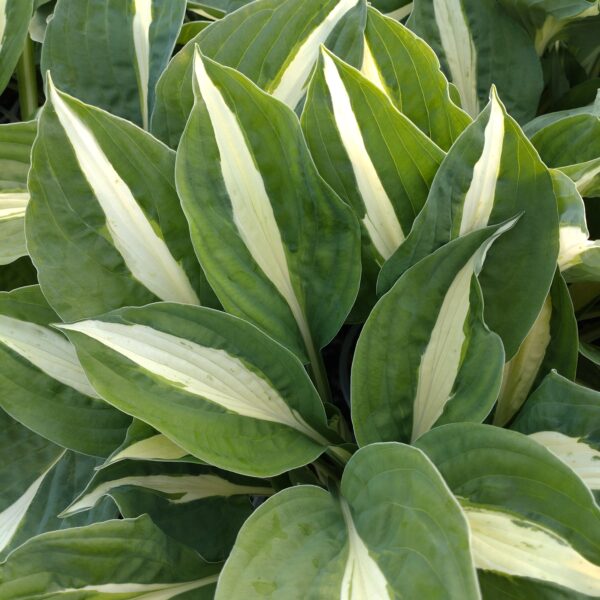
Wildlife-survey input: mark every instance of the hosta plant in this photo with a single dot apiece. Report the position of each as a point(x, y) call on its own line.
point(301, 300)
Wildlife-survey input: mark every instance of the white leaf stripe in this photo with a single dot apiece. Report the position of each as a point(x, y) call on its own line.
point(479, 199)
point(47, 350)
point(13, 205)
point(145, 591)
point(186, 488)
point(503, 543)
point(402, 12)
point(290, 86)
point(144, 252)
point(579, 456)
point(585, 180)
point(157, 447)
point(11, 517)
point(380, 219)
point(209, 373)
point(252, 211)
point(441, 360)
point(370, 69)
point(142, 20)
point(3, 7)
point(459, 50)
point(362, 576)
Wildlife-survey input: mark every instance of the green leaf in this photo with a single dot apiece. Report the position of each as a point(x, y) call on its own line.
point(14, 23)
point(529, 514)
point(214, 384)
point(275, 43)
point(134, 38)
point(408, 71)
point(551, 343)
point(394, 531)
point(545, 20)
point(196, 505)
point(104, 225)
point(491, 174)
point(372, 156)
point(572, 144)
point(425, 357)
point(479, 44)
point(278, 246)
point(38, 479)
point(16, 140)
point(565, 418)
point(130, 558)
point(42, 384)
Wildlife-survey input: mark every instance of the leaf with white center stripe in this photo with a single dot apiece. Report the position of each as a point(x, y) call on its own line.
point(278, 246)
point(466, 35)
point(498, 471)
point(275, 43)
point(408, 71)
point(104, 224)
point(214, 384)
point(507, 544)
point(128, 558)
point(572, 144)
point(14, 24)
point(145, 443)
point(392, 531)
point(16, 140)
point(372, 156)
point(38, 479)
point(135, 39)
point(565, 418)
point(425, 356)
point(199, 506)
point(491, 174)
point(42, 384)
point(545, 20)
point(551, 343)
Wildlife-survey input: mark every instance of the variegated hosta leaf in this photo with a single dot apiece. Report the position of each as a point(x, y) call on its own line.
point(128, 558)
point(572, 144)
point(145, 443)
point(214, 9)
point(565, 418)
point(394, 531)
point(545, 20)
point(42, 384)
point(552, 531)
point(214, 384)
point(425, 357)
point(408, 71)
point(372, 156)
point(550, 344)
point(135, 39)
point(104, 224)
point(38, 480)
point(466, 35)
point(579, 257)
point(278, 246)
point(14, 23)
point(491, 174)
point(275, 43)
point(196, 505)
point(16, 140)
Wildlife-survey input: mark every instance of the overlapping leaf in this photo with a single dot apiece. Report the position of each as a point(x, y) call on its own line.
point(408, 71)
point(425, 357)
point(14, 23)
point(491, 174)
point(467, 36)
point(135, 39)
point(42, 384)
point(394, 531)
point(104, 225)
point(278, 246)
point(214, 384)
point(274, 43)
